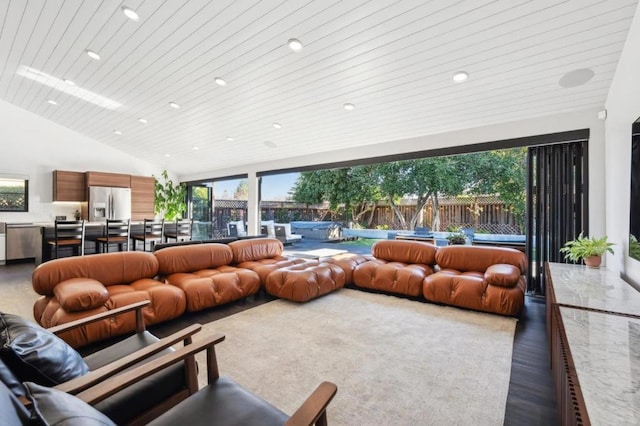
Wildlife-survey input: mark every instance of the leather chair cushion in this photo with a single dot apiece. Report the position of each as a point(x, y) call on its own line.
point(53, 407)
point(34, 354)
point(108, 268)
point(10, 380)
point(502, 275)
point(80, 294)
point(255, 249)
point(12, 411)
point(301, 283)
point(193, 258)
point(222, 403)
point(405, 251)
point(140, 397)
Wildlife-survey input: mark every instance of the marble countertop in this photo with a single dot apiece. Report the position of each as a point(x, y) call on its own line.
point(593, 288)
point(605, 349)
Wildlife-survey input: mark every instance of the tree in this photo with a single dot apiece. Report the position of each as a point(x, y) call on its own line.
point(242, 190)
point(353, 188)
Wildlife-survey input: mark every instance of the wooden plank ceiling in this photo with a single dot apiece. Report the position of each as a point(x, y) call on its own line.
point(394, 60)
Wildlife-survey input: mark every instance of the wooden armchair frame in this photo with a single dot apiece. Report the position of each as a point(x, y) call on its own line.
point(313, 410)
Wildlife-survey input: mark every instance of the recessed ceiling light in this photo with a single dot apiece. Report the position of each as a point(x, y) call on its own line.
point(220, 81)
point(295, 44)
point(270, 144)
point(69, 82)
point(349, 107)
point(174, 105)
point(460, 76)
point(277, 125)
point(93, 55)
point(142, 120)
point(117, 132)
point(229, 139)
point(195, 148)
point(52, 102)
point(167, 155)
point(130, 13)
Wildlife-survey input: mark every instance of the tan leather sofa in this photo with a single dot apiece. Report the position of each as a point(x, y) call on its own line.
point(261, 255)
point(205, 274)
point(397, 267)
point(77, 287)
point(489, 279)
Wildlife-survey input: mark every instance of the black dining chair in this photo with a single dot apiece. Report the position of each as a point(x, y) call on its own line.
point(115, 232)
point(179, 231)
point(68, 233)
point(152, 232)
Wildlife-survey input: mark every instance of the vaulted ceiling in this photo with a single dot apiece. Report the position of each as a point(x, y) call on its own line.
point(393, 60)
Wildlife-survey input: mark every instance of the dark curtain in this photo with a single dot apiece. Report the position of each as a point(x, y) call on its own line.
point(557, 204)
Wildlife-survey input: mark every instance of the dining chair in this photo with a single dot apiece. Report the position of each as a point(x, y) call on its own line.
point(115, 232)
point(152, 232)
point(68, 233)
point(181, 230)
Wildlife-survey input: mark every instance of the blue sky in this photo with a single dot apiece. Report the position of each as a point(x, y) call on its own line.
point(274, 188)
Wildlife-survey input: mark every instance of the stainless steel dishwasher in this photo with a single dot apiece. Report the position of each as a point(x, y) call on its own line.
point(21, 241)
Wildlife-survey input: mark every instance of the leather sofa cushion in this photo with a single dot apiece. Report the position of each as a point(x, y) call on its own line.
point(53, 407)
point(221, 403)
point(476, 258)
point(12, 411)
point(108, 268)
point(255, 249)
point(404, 251)
point(193, 258)
point(303, 282)
point(502, 275)
point(37, 355)
point(80, 294)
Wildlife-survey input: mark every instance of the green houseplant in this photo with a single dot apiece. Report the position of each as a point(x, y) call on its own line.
point(588, 249)
point(170, 198)
point(456, 238)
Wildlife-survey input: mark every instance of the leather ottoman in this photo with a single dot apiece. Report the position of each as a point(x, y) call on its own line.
point(301, 283)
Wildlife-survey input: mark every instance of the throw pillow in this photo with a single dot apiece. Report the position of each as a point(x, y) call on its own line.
point(37, 355)
point(53, 407)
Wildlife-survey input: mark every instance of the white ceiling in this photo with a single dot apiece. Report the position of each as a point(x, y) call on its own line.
point(393, 59)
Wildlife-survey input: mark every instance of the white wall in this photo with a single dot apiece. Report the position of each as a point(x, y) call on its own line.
point(33, 146)
point(623, 108)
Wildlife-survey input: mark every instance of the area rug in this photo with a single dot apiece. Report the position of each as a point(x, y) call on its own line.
point(395, 361)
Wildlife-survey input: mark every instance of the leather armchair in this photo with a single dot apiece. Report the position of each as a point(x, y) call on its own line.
point(31, 353)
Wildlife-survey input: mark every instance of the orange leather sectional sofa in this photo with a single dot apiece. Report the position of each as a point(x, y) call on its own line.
point(488, 279)
point(199, 276)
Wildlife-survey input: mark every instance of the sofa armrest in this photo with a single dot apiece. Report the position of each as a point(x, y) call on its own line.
point(140, 327)
point(117, 383)
point(502, 275)
point(314, 409)
point(81, 383)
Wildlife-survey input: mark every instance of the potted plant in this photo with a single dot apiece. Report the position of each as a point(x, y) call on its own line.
point(590, 250)
point(170, 198)
point(457, 238)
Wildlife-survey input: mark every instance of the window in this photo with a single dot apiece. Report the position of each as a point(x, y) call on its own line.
point(14, 195)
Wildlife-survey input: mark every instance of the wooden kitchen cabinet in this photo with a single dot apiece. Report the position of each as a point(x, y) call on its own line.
point(108, 179)
point(142, 197)
point(69, 186)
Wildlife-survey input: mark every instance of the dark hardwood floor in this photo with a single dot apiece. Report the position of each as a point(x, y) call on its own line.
point(531, 398)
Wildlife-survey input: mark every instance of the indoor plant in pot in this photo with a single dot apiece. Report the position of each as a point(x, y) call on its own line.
point(589, 249)
point(169, 198)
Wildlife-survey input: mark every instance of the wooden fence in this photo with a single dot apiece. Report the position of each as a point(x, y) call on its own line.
point(484, 213)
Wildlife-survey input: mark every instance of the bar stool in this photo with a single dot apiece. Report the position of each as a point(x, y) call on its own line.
point(152, 232)
point(179, 231)
point(68, 233)
point(115, 232)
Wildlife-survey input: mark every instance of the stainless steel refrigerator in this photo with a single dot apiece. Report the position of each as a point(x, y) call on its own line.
point(109, 203)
